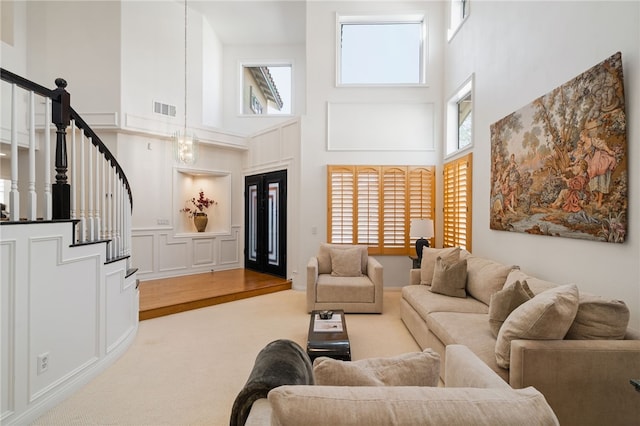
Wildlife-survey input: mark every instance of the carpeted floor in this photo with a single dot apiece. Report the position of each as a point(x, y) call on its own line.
point(187, 368)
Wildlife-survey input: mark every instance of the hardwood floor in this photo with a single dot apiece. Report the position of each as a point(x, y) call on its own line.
point(172, 295)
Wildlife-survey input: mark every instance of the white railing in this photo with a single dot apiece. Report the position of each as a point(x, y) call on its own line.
point(99, 193)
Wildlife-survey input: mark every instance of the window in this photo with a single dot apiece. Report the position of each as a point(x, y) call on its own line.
point(458, 13)
point(460, 119)
point(457, 203)
point(374, 205)
point(381, 50)
point(266, 90)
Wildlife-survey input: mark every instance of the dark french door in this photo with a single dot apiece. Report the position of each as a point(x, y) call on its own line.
point(265, 223)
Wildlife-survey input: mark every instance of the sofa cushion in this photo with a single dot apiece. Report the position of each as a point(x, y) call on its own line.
point(599, 318)
point(344, 289)
point(346, 263)
point(324, 256)
point(505, 301)
point(407, 405)
point(536, 285)
point(409, 369)
point(485, 277)
point(428, 262)
point(469, 329)
point(425, 302)
point(547, 316)
point(450, 279)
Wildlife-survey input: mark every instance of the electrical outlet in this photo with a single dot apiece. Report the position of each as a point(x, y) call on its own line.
point(163, 221)
point(43, 362)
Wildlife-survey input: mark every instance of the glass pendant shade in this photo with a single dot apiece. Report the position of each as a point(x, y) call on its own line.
point(185, 146)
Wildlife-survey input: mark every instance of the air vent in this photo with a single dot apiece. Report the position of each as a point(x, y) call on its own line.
point(164, 109)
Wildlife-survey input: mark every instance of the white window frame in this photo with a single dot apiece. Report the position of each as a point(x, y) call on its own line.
point(405, 18)
point(264, 63)
point(452, 143)
point(455, 17)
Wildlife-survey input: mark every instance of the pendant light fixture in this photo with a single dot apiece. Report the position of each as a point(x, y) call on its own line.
point(185, 143)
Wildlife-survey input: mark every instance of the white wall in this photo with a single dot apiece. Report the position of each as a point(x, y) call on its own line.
point(321, 90)
point(518, 52)
point(80, 42)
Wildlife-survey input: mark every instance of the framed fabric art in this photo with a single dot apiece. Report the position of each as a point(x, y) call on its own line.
point(559, 164)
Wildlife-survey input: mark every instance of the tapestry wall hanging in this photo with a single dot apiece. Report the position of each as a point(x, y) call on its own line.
point(559, 164)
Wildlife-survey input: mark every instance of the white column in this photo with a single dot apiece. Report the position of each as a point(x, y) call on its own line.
point(32, 198)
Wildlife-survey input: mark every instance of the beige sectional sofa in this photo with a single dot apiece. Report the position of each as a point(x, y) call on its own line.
point(475, 395)
point(585, 379)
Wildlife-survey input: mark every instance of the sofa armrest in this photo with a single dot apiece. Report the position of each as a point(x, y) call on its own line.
point(260, 413)
point(463, 369)
point(312, 280)
point(375, 273)
point(584, 381)
point(407, 405)
point(414, 276)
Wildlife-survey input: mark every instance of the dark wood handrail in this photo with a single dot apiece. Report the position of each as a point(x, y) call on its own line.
point(59, 108)
point(10, 77)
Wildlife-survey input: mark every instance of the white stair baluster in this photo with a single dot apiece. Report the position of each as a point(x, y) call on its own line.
point(14, 194)
point(32, 200)
point(81, 185)
point(47, 212)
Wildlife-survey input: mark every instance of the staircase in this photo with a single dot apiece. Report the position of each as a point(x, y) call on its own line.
point(69, 294)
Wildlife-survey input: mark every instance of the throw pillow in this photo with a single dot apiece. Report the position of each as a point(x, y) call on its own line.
point(450, 279)
point(547, 316)
point(410, 369)
point(428, 262)
point(485, 277)
point(599, 319)
point(505, 301)
point(346, 262)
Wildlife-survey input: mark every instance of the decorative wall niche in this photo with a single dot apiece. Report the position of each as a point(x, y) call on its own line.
point(216, 185)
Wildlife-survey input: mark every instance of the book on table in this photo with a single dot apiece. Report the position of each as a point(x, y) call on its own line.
point(331, 325)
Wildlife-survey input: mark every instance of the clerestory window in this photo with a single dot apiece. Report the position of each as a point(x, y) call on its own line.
point(381, 50)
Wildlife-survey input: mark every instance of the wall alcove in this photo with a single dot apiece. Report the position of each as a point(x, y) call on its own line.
point(216, 185)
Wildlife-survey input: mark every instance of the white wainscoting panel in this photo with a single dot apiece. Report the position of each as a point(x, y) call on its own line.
point(121, 308)
point(230, 248)
point(7, 326)
point(173, 255)
point(61, 303)
point(393, 126)
point(203, 252)
point(143, 251)
point(290, 140)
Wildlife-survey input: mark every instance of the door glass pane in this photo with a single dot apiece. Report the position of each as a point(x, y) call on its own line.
point(273, 223)
point(253, 220)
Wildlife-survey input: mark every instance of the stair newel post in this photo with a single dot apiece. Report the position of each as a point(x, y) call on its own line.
point(61, 117)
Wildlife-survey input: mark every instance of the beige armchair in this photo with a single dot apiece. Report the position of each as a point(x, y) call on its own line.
point(344, 277)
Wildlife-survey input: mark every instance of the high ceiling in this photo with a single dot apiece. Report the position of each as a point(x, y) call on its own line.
point(241, 22)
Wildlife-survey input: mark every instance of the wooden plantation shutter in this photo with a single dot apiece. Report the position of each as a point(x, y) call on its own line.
point(374, 205)
point(394, 213)
point(457, 203)
point(341, 203)
point(422, 195)
point(368, 206)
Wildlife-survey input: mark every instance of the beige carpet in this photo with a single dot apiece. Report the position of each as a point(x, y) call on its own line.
point(187, 368)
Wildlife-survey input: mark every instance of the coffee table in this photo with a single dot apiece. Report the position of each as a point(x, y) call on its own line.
point(328, 337)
